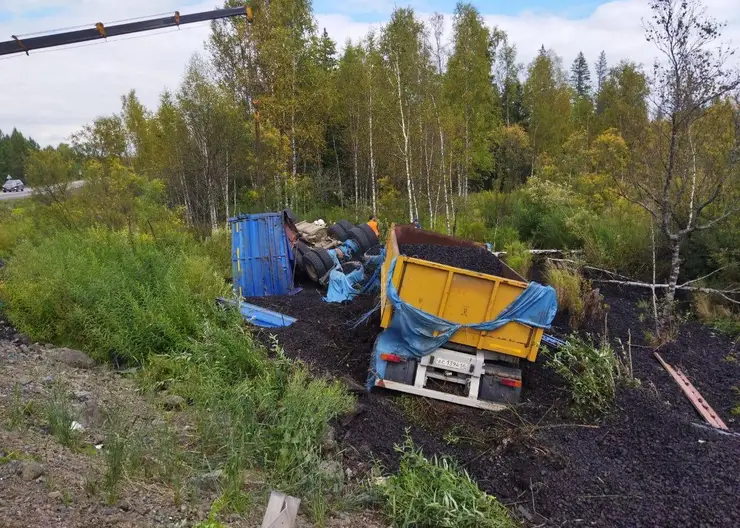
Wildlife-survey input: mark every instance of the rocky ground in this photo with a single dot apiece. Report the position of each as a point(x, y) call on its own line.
point(44, 483)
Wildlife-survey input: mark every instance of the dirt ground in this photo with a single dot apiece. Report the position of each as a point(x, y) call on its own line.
point(45, 484)
point(645, 464)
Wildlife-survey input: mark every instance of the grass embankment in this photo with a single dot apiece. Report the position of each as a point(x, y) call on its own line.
point(133, 300)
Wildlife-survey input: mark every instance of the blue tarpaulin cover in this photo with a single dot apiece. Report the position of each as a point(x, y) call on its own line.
point(342, 287)
point(345, 287)
point(411, 333)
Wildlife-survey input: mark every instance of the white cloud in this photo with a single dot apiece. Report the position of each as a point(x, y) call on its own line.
point(51, 95)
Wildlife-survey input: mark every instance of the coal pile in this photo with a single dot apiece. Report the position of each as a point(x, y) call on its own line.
point(469, 258)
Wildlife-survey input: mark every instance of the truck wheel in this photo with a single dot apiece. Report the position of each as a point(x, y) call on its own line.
point(403, 372)
point(314, 267)
point(301, 247)
point(298, 261)
point(359, 236)
point(290, 215)
point(337, 232)
point(345, 225)
point(372, 238)
point(326, 260)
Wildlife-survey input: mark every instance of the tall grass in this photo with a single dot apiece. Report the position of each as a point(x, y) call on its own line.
point(119, 297)
point(436, 493)
point(131, 298)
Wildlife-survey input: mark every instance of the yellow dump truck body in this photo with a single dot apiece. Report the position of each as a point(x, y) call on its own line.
point(457, 295)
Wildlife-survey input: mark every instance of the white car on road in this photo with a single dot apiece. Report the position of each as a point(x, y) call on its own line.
point(13, 186)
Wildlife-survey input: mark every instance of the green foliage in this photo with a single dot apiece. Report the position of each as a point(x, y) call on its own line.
point(436, 493)
point(518, 257)
point(590, 373)
point(570, 287)
point(59, 416)
point(115, 295)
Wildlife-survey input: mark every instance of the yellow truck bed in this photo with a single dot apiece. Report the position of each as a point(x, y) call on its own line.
point(457, 295)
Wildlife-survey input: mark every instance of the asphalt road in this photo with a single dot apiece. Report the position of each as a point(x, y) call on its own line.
point(28, 191)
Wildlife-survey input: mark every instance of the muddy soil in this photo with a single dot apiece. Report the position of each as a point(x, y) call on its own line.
point(645, 464)
point(472, 259)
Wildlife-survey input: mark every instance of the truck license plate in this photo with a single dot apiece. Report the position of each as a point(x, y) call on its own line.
point(449, 363)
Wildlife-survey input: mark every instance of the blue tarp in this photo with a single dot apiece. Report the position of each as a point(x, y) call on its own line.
point(342, 287)
point(345, 287)
point(259, 316)
point(411, 333)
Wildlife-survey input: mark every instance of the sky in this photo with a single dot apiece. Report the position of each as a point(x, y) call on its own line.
point(51, 94)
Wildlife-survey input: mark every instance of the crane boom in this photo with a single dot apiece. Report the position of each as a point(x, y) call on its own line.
point(100, 31)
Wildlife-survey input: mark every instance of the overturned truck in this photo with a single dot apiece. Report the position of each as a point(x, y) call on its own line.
point(451, 333)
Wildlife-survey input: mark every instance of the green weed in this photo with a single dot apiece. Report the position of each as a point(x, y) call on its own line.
point(571, 289)
point(115, 456)
point(590, 372)
point(518, 257)
point(436, 493)
point(59, 417)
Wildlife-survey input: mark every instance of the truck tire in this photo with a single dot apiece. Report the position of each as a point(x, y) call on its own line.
point(345, 225)
point(298, 261)
point(314, 267)
point(403, 372)
point(371, 236)
point(359, 236)
point(290, 215)
point(337, 232)
point(301, 247)
point(325, 258)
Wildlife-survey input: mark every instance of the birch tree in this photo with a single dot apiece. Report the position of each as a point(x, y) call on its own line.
point(470, 94)
point(683, 191)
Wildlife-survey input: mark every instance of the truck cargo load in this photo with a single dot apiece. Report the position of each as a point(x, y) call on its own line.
point(462, 327)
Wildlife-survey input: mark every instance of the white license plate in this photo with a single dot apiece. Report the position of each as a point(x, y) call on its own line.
point(449, 363)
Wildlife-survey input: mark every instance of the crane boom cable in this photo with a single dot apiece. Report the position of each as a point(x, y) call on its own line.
point(26, 44)
point(107, 41)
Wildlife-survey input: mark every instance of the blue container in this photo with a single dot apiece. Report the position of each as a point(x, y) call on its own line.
point(260, 255)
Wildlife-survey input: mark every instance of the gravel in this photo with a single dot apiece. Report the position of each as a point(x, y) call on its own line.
point(472, 259)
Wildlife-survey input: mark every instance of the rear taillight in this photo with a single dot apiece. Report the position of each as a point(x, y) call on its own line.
point(509, 382)
point(393, 358)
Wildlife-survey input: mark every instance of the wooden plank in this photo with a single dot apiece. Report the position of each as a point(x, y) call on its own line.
point(694, 396)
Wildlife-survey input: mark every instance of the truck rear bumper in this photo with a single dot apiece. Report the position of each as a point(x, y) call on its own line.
point(439, 395)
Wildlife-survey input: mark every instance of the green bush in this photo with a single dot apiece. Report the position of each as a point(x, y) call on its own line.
point(590, 374)
point(436, 493)
point(115, 295)
point(518, 257)
point(570, 287)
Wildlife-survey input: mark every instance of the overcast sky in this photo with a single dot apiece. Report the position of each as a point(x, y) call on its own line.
point(52, 93)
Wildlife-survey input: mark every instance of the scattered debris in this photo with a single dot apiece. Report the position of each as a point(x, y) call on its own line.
point(282, 511)
point(262, 317)
point(697, 400)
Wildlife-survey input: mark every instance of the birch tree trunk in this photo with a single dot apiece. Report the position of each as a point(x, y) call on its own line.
point(372, 154)
point(339, 172)
point(405, 133)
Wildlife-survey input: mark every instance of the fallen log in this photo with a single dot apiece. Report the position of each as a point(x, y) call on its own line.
point(722, 293)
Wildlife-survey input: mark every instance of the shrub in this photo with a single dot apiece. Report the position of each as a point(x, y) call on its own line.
point(518, 257)
point(116, 295)
point(571, 289)
point(589, 372)
point(437, 493)
point(716, 315)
